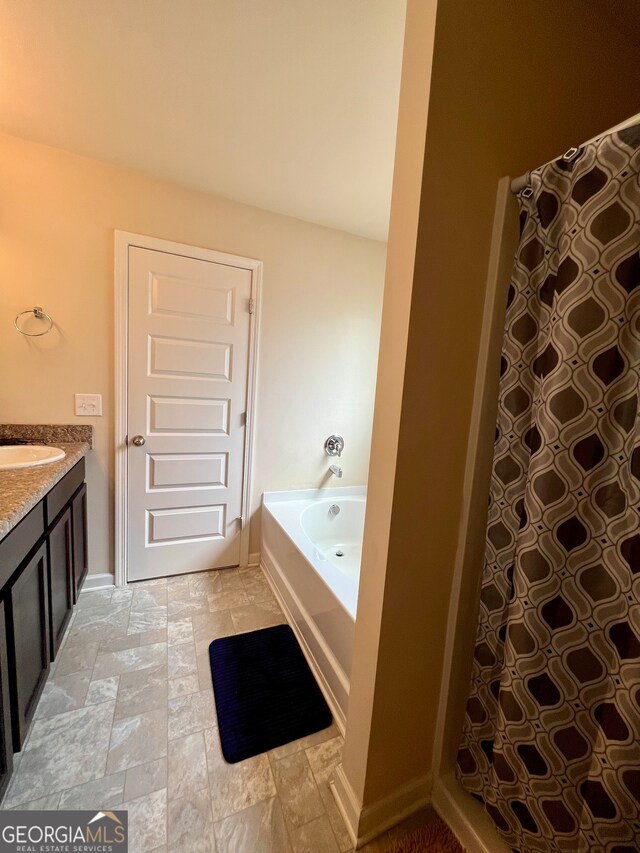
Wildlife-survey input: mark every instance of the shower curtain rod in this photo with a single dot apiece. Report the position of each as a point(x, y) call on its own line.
point(520, 183)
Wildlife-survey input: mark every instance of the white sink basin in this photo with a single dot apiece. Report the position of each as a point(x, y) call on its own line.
point(27, 455)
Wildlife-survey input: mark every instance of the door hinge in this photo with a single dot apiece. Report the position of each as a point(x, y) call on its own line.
point(243, 419)
point(241, 521)
point(252, 306)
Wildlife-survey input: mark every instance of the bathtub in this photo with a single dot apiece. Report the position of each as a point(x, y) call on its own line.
point(311, 556)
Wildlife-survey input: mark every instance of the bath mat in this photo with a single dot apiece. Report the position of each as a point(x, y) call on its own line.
point(264, 691)
point(435, 837)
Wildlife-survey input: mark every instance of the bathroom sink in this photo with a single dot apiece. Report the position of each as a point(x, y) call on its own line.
point(27, 455)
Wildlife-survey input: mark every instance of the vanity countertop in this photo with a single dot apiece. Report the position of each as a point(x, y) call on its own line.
point(22, 488)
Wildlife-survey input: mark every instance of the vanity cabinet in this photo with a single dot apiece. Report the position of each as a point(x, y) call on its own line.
point(66, 519)
point(28, 640)
point(6, 735)
point(60, 559)
point(79, 528)
point(43, 563)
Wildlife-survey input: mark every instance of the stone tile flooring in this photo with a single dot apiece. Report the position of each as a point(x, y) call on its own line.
point(127, 720)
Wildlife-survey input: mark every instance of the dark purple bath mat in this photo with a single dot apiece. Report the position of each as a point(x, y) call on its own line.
point(265, 693)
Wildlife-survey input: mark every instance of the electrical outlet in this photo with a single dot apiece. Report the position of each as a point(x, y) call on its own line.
point(89, 404)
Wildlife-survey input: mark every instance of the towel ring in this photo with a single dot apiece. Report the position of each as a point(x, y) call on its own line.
point(40, 315)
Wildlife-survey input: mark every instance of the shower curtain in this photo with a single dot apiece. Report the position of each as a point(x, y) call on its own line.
point(551, 740)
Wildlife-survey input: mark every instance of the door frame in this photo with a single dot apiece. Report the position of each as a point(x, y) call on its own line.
point(123, 240)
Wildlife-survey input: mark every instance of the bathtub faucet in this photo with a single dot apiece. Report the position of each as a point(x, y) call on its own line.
point(334, 445)
point(335, 469)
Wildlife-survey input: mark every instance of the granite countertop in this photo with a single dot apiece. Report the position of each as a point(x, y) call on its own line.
point(22, 488)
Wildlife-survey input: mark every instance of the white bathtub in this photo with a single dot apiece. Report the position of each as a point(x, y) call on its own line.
point(312, 559)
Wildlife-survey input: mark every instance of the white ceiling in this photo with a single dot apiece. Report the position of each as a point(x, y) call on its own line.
point(289, 105)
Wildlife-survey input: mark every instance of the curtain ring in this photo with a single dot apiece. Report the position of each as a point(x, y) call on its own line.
point(39, 314)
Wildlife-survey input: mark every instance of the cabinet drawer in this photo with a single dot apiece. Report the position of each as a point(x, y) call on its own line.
point(62, 492)
point(18, 542)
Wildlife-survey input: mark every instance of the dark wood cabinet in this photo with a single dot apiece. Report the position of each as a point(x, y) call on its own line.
point(43, 563)
point(28, 639)
point(60, 559)
point(6, 736)
point(62, 493)
point(79, 526)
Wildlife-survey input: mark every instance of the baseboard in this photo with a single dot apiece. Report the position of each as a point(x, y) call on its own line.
point(347, 802)
point(368, 822)
point(254, 560)
point(465, 816)
point(104, 580)
point(395, 807)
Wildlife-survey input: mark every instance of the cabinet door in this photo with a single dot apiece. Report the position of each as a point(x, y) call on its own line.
point(27, 615)
point(80, 562)
point(6, 738)
point(60, 555)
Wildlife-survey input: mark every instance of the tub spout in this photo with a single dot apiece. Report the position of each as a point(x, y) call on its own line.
point(335, 469)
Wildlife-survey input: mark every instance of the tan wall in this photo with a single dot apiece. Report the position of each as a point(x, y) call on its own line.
point(513, 85)
point(322, 295)
point(405, 207)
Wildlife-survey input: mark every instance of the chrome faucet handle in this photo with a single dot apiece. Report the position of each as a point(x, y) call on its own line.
point(334, 445)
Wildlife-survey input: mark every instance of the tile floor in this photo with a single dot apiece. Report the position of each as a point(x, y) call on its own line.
point(127, 721)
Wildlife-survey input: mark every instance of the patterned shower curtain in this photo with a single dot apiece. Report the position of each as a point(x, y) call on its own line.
point(551, 740)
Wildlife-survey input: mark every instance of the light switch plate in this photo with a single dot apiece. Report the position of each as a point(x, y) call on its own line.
point(89, 404)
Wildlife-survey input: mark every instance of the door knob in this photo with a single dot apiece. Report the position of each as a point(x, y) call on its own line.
point(138, 440)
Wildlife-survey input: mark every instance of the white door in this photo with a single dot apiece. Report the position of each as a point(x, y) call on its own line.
point(188, 363)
